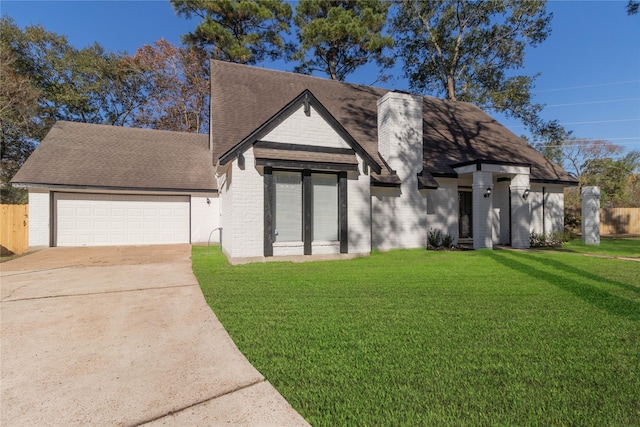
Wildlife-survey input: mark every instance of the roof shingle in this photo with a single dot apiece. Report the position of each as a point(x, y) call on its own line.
point(90, 155)
point(243, 98)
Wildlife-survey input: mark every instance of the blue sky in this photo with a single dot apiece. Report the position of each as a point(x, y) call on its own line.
point(590, 65)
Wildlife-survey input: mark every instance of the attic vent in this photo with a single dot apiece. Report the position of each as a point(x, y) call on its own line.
point(307, 107)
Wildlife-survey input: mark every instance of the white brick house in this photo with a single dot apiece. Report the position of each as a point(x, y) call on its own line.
point(297, 165)
point(396, 166)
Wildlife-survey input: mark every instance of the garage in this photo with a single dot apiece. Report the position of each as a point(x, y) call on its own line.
point(87, 219)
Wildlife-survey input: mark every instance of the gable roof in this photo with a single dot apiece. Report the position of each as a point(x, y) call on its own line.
point(308, 100)
point(459, 132)
point(113, 157)
point(244, 98)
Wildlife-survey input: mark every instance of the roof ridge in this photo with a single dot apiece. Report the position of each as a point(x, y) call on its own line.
point(299, 75)
point(126, 128)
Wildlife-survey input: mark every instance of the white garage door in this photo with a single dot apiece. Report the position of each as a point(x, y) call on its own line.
point(117, 219)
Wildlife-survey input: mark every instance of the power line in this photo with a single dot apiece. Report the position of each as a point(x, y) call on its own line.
point(584, 123)
point(587, 86)
point(601, 121)
point(594, 102)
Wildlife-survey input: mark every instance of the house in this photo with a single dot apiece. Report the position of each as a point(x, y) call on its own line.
point(297, 165)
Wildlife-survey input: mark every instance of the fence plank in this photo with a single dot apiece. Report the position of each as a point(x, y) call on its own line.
point(616, 220)
point(14, 229)
point(620, 221)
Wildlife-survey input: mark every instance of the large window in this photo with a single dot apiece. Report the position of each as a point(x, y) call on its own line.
point(325, 206)
point(288, 206)
point(304, 207)
point(289, 211)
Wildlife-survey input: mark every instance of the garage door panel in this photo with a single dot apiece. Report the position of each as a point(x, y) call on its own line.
point(112, 219)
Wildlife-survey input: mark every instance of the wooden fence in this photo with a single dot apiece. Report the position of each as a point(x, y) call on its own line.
point(14, 229)
point(617, 220)
point(620, 221)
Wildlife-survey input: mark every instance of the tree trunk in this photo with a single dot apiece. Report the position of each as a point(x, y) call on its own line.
point(451, 88)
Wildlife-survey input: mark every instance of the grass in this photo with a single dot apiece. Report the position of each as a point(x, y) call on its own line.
point(619, 247)
point(415, 337)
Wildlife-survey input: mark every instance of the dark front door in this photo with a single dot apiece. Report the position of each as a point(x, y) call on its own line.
point(465, 223)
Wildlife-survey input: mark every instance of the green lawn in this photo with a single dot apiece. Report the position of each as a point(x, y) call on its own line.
point(415, 337)
point(620, 247)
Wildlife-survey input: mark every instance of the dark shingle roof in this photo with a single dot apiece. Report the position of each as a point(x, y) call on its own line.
point(244, 98)
point(89, 155)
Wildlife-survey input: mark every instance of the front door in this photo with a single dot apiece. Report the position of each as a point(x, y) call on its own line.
point(465, 223)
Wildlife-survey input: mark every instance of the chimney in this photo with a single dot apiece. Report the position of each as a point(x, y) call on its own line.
point(400, 132)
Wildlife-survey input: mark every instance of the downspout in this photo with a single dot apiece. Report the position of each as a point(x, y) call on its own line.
point(212, 231)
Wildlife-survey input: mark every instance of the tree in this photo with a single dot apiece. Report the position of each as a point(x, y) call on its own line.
point(550, 138)
point(467, 51)
point(18, 103)
point(632, 7)
point(86, 85)
point(338, 36)
point(179, 87)
point(44, 79)
point(243, 31)
point(613, 176)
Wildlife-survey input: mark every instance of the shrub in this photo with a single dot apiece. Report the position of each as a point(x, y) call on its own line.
point(434, 239)
point(572, 221)
point(542, 240)
point(447, 241)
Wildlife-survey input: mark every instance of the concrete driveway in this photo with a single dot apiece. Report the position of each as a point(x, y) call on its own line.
point(121, 336)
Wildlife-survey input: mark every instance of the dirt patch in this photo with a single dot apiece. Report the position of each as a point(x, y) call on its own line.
point(98, 256)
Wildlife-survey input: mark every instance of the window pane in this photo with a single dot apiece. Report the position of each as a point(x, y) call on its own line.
point(325, 206)
point(288, 215)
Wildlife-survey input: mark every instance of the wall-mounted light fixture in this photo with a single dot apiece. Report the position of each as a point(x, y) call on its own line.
point(241, 161)
point(208, 201)
point(525, 194)
point(488, 192)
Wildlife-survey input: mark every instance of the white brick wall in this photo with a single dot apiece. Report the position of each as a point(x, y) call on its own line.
point(226, 209)
point(520, 212)
point(442, 207)
point(205, 217)
point(359, 210)
point(554, 208)
point(536, 201)
point(501, 212)
point(547, 208)
point(39, 217)
point(482, 210)
point(303, 130)
point(246, 227)
point(288, 248)
point(400, 215)
point(590, 215)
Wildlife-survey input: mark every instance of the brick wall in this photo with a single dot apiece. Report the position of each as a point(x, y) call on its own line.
point(400, 215)
point(205, 217)
point(38, 217)
point(303, 130)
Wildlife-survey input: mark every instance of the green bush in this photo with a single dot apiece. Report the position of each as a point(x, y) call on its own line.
point(542, 240)
point(447, 241)
point(434, 239)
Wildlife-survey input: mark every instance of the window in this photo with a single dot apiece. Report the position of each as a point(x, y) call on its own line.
point(325, 206)
point(303, 207)
point(288, 206)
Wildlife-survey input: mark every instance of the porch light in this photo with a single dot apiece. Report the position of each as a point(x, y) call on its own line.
point(208, 201)
point(525, 194)
point(488, 192)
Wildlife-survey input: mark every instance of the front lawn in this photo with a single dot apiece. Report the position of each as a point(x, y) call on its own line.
point(620, 247)
point(415, 337)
